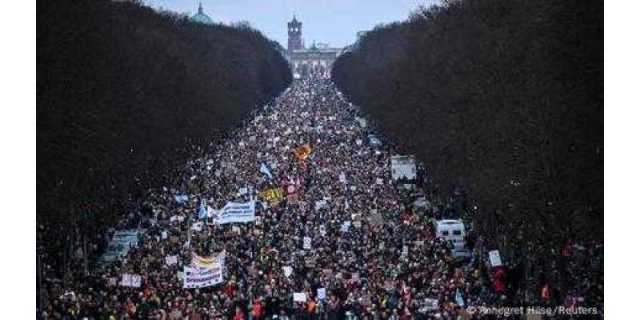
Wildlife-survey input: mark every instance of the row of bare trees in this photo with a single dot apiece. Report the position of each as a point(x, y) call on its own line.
point(503, 102)
point(126, 94)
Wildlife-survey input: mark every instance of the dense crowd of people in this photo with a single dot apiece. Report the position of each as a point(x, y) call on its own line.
point(371, 254)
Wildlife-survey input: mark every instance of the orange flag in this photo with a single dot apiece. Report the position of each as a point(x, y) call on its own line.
point(303, 152)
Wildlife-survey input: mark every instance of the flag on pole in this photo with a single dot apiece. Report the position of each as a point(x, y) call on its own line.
point(303, 152)
point(203, 213)
point(459, 298)
point(188, 243)
point(545, 293)
point(211, 212)
point(181, 198)
point(208, 262)
point(264, 169)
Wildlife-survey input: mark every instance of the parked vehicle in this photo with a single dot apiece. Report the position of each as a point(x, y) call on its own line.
point(451, 230)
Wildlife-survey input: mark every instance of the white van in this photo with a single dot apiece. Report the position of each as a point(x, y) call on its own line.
point(451, 230)
point(403, 167)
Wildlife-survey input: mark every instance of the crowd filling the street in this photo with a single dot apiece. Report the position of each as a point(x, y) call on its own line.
point(299, 215)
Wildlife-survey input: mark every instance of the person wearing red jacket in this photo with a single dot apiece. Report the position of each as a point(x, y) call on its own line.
point(257, 311)
point(497, 280)
point(239, 314)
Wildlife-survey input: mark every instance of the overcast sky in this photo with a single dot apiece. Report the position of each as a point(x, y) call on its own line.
point(335, 22)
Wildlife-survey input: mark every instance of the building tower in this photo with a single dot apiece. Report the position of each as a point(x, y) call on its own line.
point(201, 17)
point(295, 35)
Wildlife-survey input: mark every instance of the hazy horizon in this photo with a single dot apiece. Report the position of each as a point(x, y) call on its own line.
point(335, 22)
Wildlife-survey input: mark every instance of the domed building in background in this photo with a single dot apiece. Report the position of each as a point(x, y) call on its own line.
point(201, 17)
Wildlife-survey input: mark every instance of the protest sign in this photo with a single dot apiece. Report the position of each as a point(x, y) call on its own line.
point(197, 226)
point(130, 280)
point(272, 195)
point(171, 260)
point(430, 304)
point(306, 243)
point(494, 258)
point(321, 293)
point(345, 226)
point(287, 271)
point(299, 297)
point(176, 218)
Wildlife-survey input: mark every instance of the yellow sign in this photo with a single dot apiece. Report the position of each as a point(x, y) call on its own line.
point(273, 195)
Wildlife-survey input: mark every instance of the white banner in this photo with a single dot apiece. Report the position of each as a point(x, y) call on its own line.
point(200, 278)
point(237, 212)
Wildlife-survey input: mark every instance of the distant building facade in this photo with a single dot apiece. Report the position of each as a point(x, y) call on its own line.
point(319, 57)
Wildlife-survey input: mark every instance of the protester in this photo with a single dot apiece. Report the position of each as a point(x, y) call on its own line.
point(333, 237)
